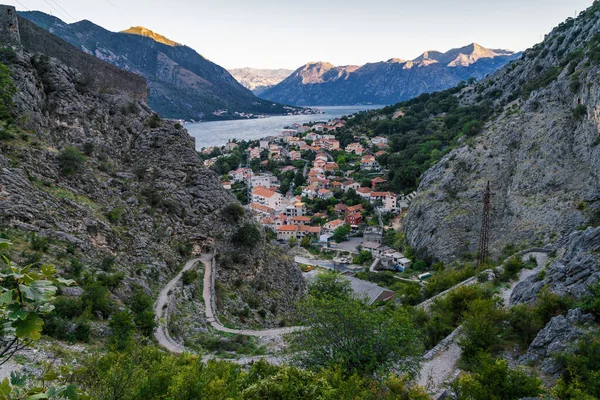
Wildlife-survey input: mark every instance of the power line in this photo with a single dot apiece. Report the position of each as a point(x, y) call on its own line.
point(54, 8)
point(21, 4)
point(66, 12)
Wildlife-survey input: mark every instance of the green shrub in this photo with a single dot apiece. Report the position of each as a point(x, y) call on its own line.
point(96, 299)
point(123, 328)
point(107, 263)
point(581, 376)
point(524, 324)
point(7, 91)
point(114, 215)
point(70, 160)
point(512, 267)
point(495, 380)
point(248, 235)
point(481, 329)
point(39, 243)
point(579, 112)
point(190, 276)
point(67, 307)
point(233, 212)
point(82, 331)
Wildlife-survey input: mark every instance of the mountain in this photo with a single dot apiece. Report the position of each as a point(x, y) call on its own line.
point(100, 174)
point(387, 82)
point(259, 80)
point(182, 84)
point(531, 130)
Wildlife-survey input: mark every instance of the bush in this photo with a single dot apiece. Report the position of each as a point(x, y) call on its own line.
point(481, 329)
point(581, 376)
point(123, 329)
point(233, 212)
point(70, 160)
point(579, 112)
point(67, 307)
point(96, 299)
point(248, 235)
point(190, 276)
point(114, 215)
point(82, 331)
point(107, 263)
point(39, 243)
point(512, 267)
point(494, 380)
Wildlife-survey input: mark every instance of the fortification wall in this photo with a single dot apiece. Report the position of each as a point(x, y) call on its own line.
point(9, 28)
point(101, 75)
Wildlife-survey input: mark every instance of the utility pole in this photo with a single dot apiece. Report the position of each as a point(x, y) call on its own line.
point(484, 235)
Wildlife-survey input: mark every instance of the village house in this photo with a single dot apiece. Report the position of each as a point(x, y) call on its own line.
point(368, 163)
point(226, 185)
point(318, 127)
point(340, 208)
point(376, 182)
point(254, 153)
point(300, 220)
point(380, 153)
point(310, 191)
point(262, 211)
point(336, 186)
point(295, 210)
point(354, 209)
point(385, 200)
point(379, 140)
point(286, 232)
point(303, 129)
point(210, 162)
point(288, 169)
point(295, 155)
point(333, 225)
point(331, 167)
point(263, 144)
point(320, 164)
point(321, 156)
point(268, 181)
point(355, 148)
point(354, 219)
point(240, 174)
point(324, 194)
point(312, 136)
point(331, 144)
point(350, 184)
point(364, 192)
point(373, 234)
point(230, 146)
point(263, 196)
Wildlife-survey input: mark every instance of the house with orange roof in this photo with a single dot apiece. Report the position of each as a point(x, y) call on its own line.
point(385, 200)
point(368, 163)
point(354, 219)
point(300, 220)
point(333, 225)
point(355, 148)
point(375, 182)
point(263, 196)
point(324, 194)
point(364, 192)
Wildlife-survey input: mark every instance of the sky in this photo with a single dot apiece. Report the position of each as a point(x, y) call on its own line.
point(290, 33)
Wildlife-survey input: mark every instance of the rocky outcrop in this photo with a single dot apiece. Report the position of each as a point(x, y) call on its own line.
point(556, 337)
point(540, 153)
point(387, 82)
point(139, 197)
point(571, 274)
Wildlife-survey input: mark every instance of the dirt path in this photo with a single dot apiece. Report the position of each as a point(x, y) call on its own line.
point(439, 364)
point(161, 306)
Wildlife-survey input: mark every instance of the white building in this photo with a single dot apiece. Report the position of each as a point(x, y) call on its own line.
point(263, 196)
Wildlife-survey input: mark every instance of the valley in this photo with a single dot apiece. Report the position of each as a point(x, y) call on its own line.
point(443, 244)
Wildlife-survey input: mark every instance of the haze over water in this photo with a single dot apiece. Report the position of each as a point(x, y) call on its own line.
point(218, 133)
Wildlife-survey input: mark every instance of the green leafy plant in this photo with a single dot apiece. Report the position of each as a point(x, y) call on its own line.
point(26, 296)
point(70, 160)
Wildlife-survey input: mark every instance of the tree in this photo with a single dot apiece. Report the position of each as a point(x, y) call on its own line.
point(340, 233)
point(247, 235)
point(361, 339)
point(481, 328)
point(330, 285)
point(123, 329)
point(363, 257)
point(233, 212)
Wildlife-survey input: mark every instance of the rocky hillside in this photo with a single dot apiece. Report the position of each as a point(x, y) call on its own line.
point(182, 84)
point(112, 190)
point(259, 80)
point(540, 151)
point(387, 82)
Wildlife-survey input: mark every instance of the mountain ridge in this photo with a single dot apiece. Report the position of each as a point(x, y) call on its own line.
point(182, 84)
point(387, 82)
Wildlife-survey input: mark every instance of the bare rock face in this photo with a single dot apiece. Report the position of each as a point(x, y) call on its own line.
point(541, 154)
point(141, 195)
point(571, 274)
point(556, 337)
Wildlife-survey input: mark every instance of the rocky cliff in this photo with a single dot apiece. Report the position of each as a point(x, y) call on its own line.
point(182, 84)
point(387, 82)
point(101, 177)
point(540, 152)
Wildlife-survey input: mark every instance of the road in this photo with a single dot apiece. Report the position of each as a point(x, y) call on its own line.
point(208, 294)
point(161, 306)
point(322, 263)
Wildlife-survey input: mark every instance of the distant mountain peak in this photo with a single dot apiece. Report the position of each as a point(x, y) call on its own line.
point(145, 32)
point(460, 57)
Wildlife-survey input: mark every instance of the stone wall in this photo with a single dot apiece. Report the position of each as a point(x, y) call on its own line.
point(9, 28)
point(101, 75)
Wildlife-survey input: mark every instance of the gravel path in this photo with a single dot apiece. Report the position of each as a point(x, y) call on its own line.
point(161, 306)
point(441, 366)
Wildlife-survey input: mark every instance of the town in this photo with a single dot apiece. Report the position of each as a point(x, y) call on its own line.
point(309, 192)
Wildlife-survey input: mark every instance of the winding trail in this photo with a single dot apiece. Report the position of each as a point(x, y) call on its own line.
point(208, 293)
point(440, 363)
